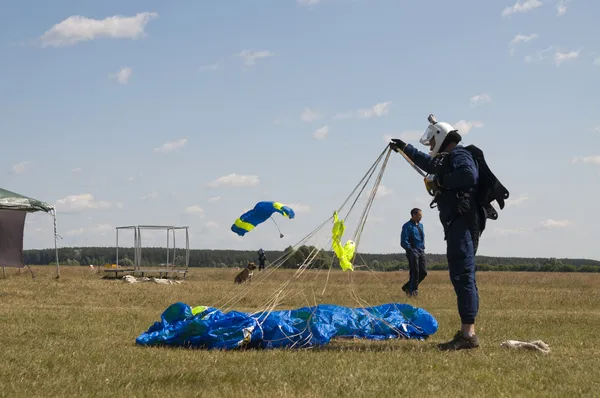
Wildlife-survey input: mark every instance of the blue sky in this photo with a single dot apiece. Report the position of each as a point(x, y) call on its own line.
point(189, 112)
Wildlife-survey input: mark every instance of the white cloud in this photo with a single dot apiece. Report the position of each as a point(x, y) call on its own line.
point(422, 201)
point(524, 38)
point(596, 61)
point(561, 7)
point(207, 68)
point(211, 224)
point(378, 110)
point(308, 2)
point(509, 231)
point(586, 159)
point(235, 180)
point(554, 224)
point(409, 135)
point(480, 99)
point(560, 57)
point(382, 191)
point(538, 56)
point(308, 115)
point(321, 132)
point(100, 229)
point(521, 7)
point(345, 115)
point(250, 56)
point(464, 126)
point(77, 29)
point(516, 201)
point(171, 146)
point(195, 210)
point(518, 39)
point(381, 109)
point(20, 167)
point(299, 208)
point(77, 170)
point(73, 203)
point(214, 199)
point(151, 195)
point(122, 75)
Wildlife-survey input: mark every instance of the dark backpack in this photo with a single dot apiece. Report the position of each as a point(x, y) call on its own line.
point(489, 187)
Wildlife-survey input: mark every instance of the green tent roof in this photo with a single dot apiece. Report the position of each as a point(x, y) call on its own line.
point(15, 201)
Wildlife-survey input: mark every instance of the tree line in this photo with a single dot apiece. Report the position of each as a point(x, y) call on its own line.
point(153, 256)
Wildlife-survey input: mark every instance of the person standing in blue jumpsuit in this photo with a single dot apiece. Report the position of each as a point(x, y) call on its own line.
point(412, 239)
point(261, 259)
point(452, 179)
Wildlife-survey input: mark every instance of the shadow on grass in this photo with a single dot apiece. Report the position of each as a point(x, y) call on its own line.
point(336, 345)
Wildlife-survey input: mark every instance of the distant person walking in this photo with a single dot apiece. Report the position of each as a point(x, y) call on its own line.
point(413, 241)
point(261, 259)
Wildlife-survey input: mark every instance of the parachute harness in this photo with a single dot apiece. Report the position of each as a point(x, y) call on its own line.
point(275, 299)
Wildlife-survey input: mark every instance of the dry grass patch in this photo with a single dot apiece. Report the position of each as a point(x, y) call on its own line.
point(76, 337)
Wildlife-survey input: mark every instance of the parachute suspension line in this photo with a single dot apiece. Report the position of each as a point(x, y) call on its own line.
point(234, 299)
point(274, 298)
point(357, 237)
point(274, 266)
point(367, 176)
point(282, 259)
point(272, 219)
point(363, 219)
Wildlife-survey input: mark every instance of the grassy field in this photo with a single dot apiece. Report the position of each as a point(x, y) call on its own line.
point(76, 337)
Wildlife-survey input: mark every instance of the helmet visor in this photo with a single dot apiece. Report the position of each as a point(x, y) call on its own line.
point(428, 135)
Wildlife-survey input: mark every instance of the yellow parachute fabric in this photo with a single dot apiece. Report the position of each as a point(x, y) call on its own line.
point(197, 310)
point(344, 253)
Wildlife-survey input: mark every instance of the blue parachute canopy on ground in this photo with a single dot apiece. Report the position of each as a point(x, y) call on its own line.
point(259, 214)
point(207, 327)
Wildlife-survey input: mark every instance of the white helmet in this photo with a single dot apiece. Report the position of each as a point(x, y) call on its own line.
point(435, 134)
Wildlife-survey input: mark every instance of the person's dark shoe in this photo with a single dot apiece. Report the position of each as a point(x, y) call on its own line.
point(405, 290)
point(460, 342)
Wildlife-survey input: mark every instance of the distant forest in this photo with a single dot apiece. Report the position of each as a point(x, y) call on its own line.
point(99, 256)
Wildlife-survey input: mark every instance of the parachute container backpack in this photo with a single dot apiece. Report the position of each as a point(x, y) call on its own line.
point(489, 188)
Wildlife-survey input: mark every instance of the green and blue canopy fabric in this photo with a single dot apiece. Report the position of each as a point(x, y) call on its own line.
point(209, 328)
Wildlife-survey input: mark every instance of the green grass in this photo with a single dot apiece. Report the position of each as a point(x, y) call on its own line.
point(76, 337)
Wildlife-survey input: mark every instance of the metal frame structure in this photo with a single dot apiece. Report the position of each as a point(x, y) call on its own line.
point(137, 238)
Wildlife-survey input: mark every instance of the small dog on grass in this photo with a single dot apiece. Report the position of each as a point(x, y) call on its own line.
point(246, 274)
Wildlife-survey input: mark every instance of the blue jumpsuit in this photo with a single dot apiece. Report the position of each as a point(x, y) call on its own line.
point(460, 173)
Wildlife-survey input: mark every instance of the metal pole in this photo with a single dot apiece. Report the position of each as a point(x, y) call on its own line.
point(117, 244)
point(138, 252)
point(167, 247)
point(187, 249)
point(174, 248)
point(56, 247)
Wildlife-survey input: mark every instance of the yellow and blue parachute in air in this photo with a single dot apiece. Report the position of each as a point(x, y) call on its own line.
point(209, 328)
point(259, 214)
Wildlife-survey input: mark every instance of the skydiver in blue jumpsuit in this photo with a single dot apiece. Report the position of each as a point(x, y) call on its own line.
point(453, 175)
